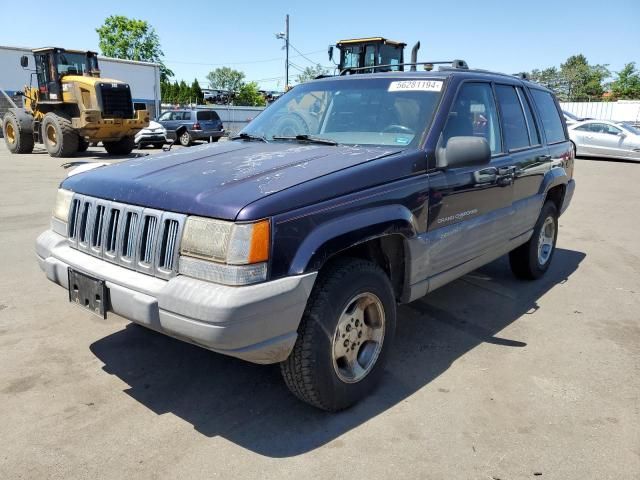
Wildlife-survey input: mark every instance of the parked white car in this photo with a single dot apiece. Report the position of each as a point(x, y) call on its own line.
point(155, 134)
point(606, 139)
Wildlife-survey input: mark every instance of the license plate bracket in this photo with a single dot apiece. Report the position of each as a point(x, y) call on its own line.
point(88, 292)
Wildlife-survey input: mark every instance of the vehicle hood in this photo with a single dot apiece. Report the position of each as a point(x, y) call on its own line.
point(218, 180)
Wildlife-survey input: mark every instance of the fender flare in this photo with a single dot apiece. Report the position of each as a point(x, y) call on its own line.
point(25, 120)
point(350, 230)
point(554, 177)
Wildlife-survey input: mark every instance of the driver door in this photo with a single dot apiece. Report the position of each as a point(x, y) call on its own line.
point(470, 208)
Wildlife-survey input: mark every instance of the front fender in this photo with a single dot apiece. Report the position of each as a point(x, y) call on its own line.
point(348, 230)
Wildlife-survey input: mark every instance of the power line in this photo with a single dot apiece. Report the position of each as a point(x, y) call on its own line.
point(243, 63)
point(303, 55)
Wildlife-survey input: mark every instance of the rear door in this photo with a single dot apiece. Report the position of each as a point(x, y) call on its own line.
point(583, 138)
point(470, 207)
point(208, 120)
point(530, 158)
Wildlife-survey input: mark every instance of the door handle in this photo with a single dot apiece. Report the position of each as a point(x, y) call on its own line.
point(544, 158)
point(506, 175)
point(486, 175)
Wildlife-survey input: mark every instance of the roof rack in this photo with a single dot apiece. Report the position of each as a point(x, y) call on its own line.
point(428, 66)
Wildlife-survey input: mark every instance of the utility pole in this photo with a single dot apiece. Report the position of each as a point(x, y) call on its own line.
point(286, 65)
point(285, 36)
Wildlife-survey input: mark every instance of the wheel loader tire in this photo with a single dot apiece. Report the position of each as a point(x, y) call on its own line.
point(82, 145)
point(124, 146)
point(59, 137)
point(17, 141)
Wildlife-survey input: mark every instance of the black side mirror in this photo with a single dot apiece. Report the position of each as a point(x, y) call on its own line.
point(24, 61)
point(331, 53)
point(464, 152)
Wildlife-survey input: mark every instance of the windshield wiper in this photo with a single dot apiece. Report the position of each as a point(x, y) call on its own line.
point(249, 137)
point(308, 138)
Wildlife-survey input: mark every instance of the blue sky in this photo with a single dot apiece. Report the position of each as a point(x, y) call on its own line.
point(200, 36)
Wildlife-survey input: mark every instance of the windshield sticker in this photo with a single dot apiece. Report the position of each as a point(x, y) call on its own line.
point(403, 140)
point(415, 85)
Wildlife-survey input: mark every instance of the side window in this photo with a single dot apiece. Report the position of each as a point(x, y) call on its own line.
point(514, 125)
point(549, 115)
point(611, 130)
point(474, 114)
point(584, 128)
point(204, 115)
point(534, 135)
point(164, 117)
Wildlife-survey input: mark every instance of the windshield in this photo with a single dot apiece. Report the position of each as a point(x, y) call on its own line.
point(371, 111)
point(630, 128)
point(570, 115)
point(72, 63)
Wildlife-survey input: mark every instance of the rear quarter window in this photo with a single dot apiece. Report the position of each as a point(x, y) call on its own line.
point(549, 115)
point(208, 115)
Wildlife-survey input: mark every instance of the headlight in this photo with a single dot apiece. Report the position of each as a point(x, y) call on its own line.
point(235, 253)
point(63, 202)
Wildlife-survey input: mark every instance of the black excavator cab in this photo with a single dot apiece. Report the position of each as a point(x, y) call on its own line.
point(368, 55)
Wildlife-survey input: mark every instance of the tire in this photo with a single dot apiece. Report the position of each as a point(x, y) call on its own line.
point(318, 370)
point(59, 137)
point(82, 145)
point(531, 260)
point(124, 146)
point(17, 141)
point(185, 139)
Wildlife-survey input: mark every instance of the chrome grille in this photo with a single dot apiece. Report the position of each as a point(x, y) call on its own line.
point(141, 239)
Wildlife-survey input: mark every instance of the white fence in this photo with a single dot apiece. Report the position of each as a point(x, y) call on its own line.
point(620, 111)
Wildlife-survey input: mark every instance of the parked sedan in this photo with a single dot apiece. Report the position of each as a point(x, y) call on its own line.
point(155, 134)
point(201, 125)
point(602, 138)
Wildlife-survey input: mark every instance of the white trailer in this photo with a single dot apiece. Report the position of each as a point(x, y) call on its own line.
point(142, 77)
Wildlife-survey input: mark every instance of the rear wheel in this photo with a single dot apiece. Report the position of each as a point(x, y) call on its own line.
point(124, 146)
point(344, 336)
point(532, 260)
point(17, 141)
point(59, 137)
point(185, 139)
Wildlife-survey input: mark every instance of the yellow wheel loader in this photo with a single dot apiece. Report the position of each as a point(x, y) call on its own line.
point(72, 106)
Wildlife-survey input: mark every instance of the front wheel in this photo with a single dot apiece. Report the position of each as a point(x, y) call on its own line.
point(344, 336)
point(59, 137)
point(532, 259)
point(124, 146)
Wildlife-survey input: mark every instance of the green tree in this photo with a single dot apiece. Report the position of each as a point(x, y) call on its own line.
point(175, 92)
point(583, 81)
point(196, 92)
point(310, 73)
point(131, 39)
point(626, 85)
point(184, 93)
point(225, 78)
point(548, 77)
point(249, 95)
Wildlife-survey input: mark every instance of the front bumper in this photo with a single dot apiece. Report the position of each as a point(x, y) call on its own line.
point(257, 323)
point(206, 134)
point(150, 138)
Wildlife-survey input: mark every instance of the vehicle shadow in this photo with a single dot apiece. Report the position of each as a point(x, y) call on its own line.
point(607, 159)
point(249, 404)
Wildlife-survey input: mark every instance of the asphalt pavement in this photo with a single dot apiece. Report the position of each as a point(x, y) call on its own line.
point(490, 377)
